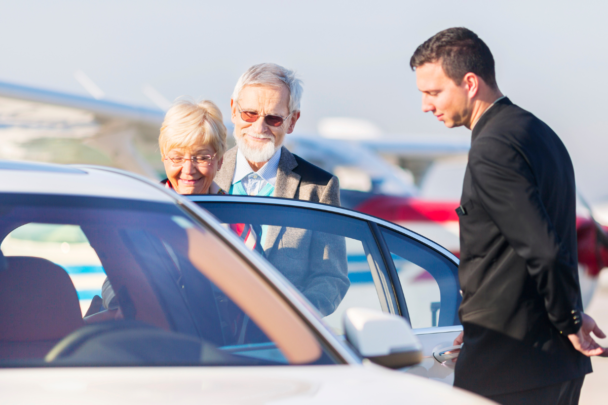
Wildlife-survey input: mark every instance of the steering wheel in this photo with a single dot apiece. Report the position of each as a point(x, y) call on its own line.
point(69, 344)
point(135, 342)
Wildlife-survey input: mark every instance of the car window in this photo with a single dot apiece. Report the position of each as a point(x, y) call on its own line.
point(93, 281)
point(429, 281)
point(65, 245)
point(332, 259)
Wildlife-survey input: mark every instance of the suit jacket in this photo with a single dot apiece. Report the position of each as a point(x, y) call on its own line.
point(314, 262)
point(518, 257)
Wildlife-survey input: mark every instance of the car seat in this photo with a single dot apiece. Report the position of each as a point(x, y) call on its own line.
point(38, 307)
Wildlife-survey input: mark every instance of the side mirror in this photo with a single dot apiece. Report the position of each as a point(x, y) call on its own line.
point(384, 339)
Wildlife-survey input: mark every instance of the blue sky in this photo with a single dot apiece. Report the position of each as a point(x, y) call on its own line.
point(352, 55)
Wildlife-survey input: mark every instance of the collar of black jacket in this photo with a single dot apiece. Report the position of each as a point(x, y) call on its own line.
point(490, 113)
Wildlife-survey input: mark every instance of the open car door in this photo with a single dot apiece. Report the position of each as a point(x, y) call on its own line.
point(339, 259)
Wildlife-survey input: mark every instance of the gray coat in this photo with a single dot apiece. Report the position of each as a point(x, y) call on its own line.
point(315, 262)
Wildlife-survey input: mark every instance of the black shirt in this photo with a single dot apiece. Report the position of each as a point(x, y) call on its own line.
point(518, 263)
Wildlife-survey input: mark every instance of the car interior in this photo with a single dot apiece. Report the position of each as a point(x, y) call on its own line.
point(168, 312)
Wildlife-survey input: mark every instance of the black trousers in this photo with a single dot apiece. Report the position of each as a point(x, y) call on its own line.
point(566, 393)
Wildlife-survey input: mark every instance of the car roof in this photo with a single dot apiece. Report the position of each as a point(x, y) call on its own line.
point(94, 181)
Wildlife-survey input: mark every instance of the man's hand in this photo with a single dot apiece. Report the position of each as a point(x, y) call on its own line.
point(459, 339)
point(584, 343)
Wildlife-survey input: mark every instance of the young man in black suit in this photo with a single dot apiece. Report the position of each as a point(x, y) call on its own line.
point(526, 338)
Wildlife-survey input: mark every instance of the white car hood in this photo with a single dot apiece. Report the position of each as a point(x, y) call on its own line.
point(225, 385)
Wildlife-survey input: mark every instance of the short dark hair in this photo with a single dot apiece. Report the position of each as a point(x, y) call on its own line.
point(460, 51)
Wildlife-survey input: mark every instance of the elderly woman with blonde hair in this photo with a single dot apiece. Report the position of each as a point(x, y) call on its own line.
point(192, 144)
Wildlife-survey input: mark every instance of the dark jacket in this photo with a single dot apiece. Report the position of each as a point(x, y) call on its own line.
point(518, 264)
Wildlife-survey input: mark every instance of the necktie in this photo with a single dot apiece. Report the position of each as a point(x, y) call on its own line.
point(250, 235)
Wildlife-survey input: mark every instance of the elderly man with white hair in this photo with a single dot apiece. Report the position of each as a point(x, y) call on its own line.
point(265, 107)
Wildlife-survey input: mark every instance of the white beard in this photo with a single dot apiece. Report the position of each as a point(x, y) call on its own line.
point(253, 154)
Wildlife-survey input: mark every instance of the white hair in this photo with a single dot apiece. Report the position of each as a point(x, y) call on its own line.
point(271, 74)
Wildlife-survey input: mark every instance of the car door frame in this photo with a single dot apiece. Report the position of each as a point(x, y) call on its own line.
point(434, 340)
point(374, 224)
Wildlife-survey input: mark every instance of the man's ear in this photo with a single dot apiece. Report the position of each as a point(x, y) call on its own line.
point(294, 118)
point(471, 83)
point(233, 111)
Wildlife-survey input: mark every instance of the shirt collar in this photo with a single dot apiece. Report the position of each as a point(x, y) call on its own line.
point(268, 172)
point(215, 189)
point(488, 115)
point(494, 103)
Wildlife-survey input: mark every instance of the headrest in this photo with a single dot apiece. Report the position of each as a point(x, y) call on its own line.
point(38, 301)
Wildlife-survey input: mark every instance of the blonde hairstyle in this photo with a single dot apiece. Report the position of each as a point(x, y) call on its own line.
point(188, 125)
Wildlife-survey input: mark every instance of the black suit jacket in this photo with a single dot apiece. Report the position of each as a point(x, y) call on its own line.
point(518, 263)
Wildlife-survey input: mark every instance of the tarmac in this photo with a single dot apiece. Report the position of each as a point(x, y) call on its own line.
point(595, 388)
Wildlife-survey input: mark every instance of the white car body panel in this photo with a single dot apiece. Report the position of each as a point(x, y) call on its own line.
point(225, 385)
point(89, 182)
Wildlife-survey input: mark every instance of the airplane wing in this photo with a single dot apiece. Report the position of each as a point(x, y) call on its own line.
point(414, 153)
point(355, 165)
point(422, 146)
point(418, 153)
point(46, 125)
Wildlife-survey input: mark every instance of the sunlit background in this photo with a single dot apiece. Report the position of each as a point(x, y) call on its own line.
point(352, 55)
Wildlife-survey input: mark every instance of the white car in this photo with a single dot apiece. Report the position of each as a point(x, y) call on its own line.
point(189, 313)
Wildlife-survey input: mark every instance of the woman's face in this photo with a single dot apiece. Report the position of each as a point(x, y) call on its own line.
point(191, 178)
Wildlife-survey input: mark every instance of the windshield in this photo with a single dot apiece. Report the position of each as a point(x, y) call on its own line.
point(96, 281)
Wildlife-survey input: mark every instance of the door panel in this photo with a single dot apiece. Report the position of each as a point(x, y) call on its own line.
point(429, 281)
point(427, 278)
point(433, 341)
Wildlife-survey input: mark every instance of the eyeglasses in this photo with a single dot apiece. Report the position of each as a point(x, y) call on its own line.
point(271, 120)
point(201, 160)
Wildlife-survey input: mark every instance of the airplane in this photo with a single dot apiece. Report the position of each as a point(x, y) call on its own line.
point(51, 126)
point(419, 190)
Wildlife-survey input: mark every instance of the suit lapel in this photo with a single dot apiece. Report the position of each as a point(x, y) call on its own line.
point(286, 186)
point(287, 181)
point(224, 176)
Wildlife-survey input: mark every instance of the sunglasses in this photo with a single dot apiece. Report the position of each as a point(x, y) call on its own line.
point(270, 120)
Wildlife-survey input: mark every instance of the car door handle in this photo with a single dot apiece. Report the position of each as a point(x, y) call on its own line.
point(447, 353)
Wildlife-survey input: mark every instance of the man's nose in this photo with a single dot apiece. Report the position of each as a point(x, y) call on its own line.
point(426, 105)
point(260, 125)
